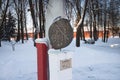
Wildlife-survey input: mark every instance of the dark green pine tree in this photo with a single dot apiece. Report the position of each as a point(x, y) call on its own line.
point(10, 27)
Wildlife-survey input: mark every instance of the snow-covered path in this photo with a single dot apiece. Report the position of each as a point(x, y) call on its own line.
point(100, 61)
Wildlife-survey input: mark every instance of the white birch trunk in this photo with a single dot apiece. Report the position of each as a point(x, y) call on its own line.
point(54, 10)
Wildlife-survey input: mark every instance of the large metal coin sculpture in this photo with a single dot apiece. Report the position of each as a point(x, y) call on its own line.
point(60, 33)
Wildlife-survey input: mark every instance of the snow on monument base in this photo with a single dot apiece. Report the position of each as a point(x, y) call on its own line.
point(60, 65)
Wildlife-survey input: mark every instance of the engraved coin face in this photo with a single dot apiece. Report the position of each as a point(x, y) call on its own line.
point(60, 33)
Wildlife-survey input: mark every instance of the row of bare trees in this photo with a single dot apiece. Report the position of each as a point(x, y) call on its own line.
point(19, 9)
point(37, 9)
point(96, 14)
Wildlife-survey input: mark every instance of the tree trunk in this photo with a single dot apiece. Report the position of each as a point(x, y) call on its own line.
point(104, 37)
point(94, 29)
point(82, 32)
point(33, 19)
point(98, 19)
point(22, 27)
point(32, 13)
point(0, 42)
point(107, 33)
point(78, 7)
point(43, 21)
point(91, 27)
point(90, 18)
point(94, 10)
point(80, 24)
point(24, 13)
point(18, 20)
point(78, 36)
point(40, 18)
point(26, 32)
point(18, 34)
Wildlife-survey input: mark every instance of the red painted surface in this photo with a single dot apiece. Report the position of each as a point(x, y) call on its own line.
point(42, 61)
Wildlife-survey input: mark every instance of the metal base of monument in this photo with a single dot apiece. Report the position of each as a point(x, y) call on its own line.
point(60, 65)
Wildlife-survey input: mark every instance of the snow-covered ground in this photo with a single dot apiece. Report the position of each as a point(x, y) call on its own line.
point(100, 61)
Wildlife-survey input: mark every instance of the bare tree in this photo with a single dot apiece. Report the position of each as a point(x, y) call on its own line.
point(25, 18)
point(94, 7)
point(90, 17)
point(80, 24)
point(105, 17)
point(78, 8)
point(40, 17)
point(17, 9)
point(32, 10)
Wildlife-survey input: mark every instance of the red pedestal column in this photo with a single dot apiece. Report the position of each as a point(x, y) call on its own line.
point(42, 61)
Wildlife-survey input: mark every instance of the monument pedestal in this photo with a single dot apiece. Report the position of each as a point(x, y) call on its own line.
point(60, 65)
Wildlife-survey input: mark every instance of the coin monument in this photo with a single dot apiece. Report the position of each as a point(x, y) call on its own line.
point(60, 33)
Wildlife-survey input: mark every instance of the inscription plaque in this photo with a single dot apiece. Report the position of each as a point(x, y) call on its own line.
point(65, 64)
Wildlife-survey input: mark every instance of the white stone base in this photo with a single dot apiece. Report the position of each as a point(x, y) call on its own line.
point(60, 65)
